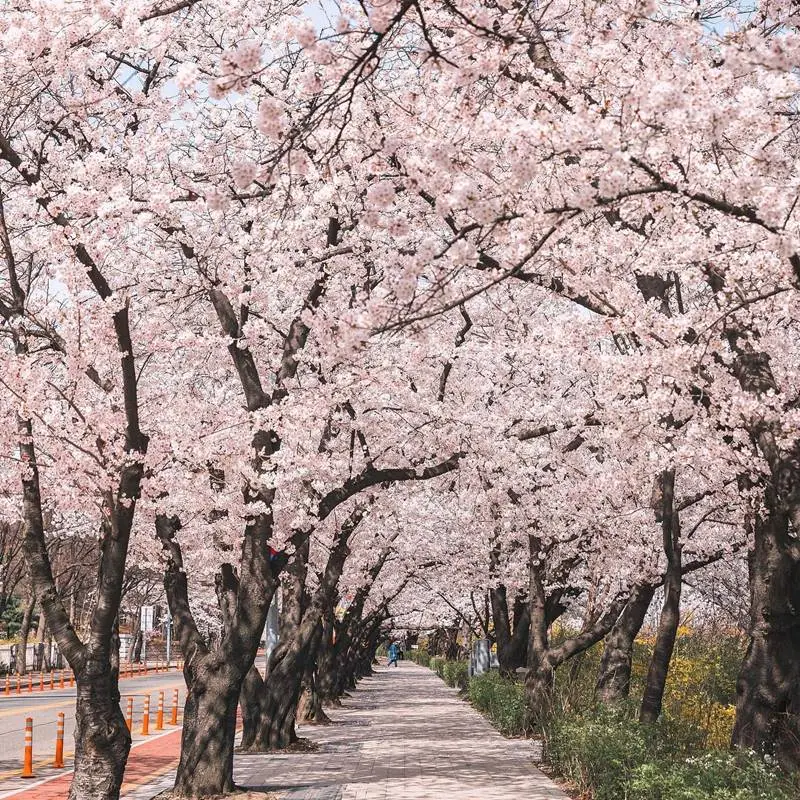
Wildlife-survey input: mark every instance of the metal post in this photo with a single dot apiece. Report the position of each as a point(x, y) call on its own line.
point(169, 640)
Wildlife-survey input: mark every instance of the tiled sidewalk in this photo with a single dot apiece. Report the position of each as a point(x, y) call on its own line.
point(403, 734)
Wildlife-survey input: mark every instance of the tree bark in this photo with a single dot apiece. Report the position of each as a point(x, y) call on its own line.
point(102, 739)
point(540, 674)
point(768, 687)
point(326, 660)
point(543, 658)
point(767, 702)
point(309, 707)
point(250, 705)
point(671, 611)
point(614, 676)
point(209, 727)
point(511, 642)
point(214, 677)
point(274, 727)
point(296, 652)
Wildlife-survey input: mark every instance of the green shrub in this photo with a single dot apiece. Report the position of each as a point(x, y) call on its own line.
point(456, 674)
point(715, 775)
point(599, 752)
point(437, 665)
point(608, 755)
point(501, 700)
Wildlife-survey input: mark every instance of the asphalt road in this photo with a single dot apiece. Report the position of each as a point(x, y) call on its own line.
point(44, 707)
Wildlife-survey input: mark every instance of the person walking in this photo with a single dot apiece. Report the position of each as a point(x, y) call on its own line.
point(393, 654)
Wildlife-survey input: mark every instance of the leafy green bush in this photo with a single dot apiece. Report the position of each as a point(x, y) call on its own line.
point(714, 775)
point(610, 756)
point(437, 665)
point(456, 674)
point(599, 752)
point(419, 656)
point(501, 700)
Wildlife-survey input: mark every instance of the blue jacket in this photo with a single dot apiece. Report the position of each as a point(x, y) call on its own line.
point(392, 652)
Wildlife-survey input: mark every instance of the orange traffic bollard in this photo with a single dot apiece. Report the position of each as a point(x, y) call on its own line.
point(52, 680)
point(129, 714)
point(58, 762)
point(61, 680)
point(30, 683)
point(146, 716)
point(160, 712)
point(19, 685)
point(8, 685)
point(174, 718)
point(27, 765)
point(71, 679)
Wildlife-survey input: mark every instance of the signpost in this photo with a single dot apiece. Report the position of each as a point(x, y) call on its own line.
point(148, 612)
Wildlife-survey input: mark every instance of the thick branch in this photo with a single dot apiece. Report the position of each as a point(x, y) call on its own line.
point(374, 477)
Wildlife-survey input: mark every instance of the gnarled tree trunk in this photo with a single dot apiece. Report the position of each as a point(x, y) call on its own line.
point(209, 727)
point(768, 687)
point(102, 739)
point(671, 611)
point(512, 642)
point(274, 727)
point(309, 707)
point(250, 705)
point(614, 675)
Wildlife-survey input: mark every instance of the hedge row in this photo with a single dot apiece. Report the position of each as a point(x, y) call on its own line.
point(607, 755)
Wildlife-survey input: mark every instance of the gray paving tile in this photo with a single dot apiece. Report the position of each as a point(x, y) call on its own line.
point(402, 734)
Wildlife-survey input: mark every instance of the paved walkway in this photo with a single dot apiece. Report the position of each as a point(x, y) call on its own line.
point(403, 734)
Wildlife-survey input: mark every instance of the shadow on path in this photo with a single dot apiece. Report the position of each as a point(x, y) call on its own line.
point(403, 733)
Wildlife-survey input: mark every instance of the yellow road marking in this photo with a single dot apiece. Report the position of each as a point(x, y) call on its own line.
point(24, 709)
point(44, 762)
point(71, 701)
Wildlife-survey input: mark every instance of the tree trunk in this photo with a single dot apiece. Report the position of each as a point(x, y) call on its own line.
point(275, 728)
point(209, 728)
point(539, 677)
point(250, 704)
point(309, 707)
point(539, 682)
point(136, 646)
point(767, 708)
point(326, 659)
point(511, 643)
point(102, 739)
point(662, 653)
point(614, 676)
point(671, 611)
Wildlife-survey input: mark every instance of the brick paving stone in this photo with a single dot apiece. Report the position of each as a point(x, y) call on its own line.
point(403, 734)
